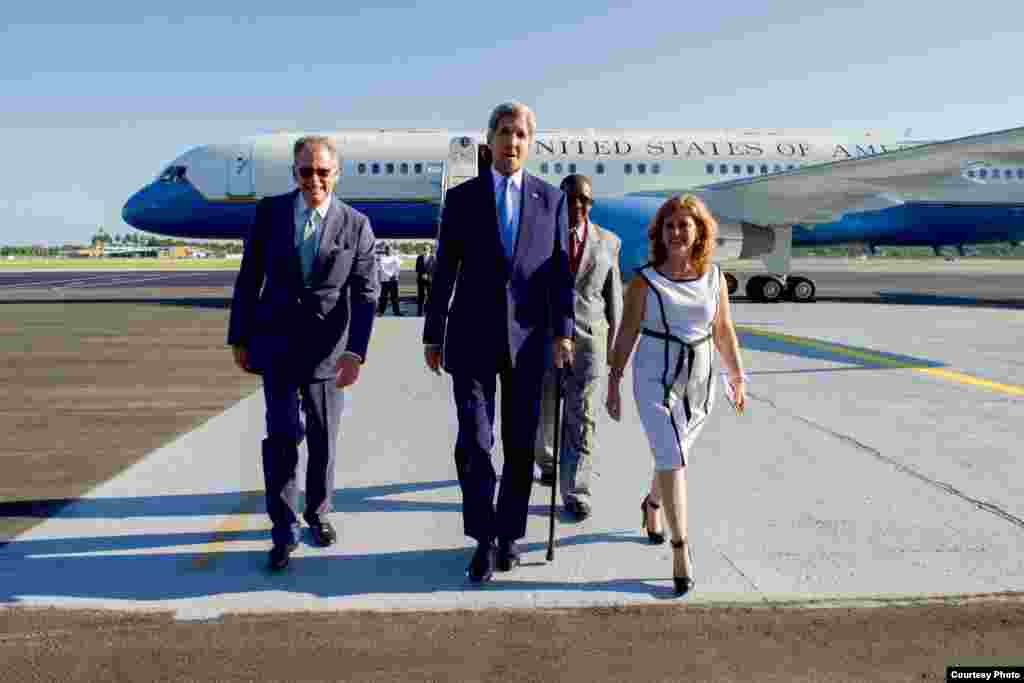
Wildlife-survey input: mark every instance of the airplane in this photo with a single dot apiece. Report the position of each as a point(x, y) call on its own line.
point(771, 190)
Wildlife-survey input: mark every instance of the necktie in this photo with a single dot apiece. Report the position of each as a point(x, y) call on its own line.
point(508, 232)
point(574, 250)
point(307, 248)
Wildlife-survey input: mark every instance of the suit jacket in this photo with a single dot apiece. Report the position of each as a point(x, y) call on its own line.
point(485, 310)
point(425, 267)
point(598, 292)
point(293, 329)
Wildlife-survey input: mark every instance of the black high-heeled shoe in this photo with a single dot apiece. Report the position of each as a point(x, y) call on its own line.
point(653, 537)
point(683, 584)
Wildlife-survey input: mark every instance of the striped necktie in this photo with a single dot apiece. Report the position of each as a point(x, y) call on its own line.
point(508, 231)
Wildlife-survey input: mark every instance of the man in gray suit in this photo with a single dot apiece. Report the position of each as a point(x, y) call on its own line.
point(594, 260)
point(301, 316)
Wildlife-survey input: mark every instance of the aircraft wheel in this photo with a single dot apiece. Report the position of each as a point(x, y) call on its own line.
point(772, 289)
point(800, 289)
point(732, 283)
point(754, 288)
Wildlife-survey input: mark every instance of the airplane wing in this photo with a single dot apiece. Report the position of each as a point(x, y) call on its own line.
point(822, 193)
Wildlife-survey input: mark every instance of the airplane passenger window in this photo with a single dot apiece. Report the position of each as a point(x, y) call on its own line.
point(390, 169)
point(417, 168)
point(641, 168)
point(599, 169)
point(375, 168)
point(724, 168)
point(737, 169)
point(572, 168)
point(361, 169)
point(627, 169)
point(790, 167)
point(404, 168)
point(710, 168)
point(750, 169)
point(764, 169)
point(1020, 173)
point(655, 168)
point(970, 173)
point(544, 168)
point(995, 172)
point(558, 168)
point(778, 168)
point(982, 173)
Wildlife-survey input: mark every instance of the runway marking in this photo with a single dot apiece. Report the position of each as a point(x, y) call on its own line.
point(883, 361)
point(209, 551)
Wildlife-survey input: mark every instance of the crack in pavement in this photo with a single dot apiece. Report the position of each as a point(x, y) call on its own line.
point(905, 469)
point(746, 578)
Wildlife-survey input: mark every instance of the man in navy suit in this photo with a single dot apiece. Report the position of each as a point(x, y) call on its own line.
point(502, 249)
point(301, 316)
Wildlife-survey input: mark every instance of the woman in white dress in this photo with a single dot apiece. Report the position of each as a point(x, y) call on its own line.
point(678, 304)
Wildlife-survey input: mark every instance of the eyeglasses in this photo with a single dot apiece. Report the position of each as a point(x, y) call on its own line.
point(308, 171)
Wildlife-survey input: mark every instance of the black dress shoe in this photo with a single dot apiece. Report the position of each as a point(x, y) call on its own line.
point(280, 554)
point(508, 556)
point(323, 534)
point(481, 567)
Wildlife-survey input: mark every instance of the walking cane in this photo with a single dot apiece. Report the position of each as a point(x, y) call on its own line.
point(559, 372)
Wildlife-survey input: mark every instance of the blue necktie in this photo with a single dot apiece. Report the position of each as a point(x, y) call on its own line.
point(308, 244)
point(508, 230)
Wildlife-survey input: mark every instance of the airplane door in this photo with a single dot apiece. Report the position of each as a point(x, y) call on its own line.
point(240, 173)
point(462, 161)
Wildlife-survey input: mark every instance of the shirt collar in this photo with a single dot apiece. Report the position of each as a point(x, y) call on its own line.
point(516, 179)
point(581, 230)
point(301, 207)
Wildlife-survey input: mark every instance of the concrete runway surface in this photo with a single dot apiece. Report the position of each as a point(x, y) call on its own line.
point(877, 463)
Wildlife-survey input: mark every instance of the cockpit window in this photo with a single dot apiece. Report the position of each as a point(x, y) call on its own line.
point(173, 174)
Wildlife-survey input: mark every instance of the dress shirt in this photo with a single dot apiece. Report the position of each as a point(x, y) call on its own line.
point(300, 216)
point(389, 266)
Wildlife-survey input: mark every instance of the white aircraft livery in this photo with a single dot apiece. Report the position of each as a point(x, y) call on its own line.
point(769, 189)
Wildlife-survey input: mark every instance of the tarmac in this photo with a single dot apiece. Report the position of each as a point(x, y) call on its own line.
point(876, 464)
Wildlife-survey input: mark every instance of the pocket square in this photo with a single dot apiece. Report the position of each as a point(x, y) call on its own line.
point(535, 195)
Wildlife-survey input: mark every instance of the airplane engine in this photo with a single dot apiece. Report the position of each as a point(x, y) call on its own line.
point(743, 241)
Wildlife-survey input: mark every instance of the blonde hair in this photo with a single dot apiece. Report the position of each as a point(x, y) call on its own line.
point(703, 244)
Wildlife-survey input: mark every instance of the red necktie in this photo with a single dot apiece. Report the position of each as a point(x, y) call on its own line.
point(574, 249)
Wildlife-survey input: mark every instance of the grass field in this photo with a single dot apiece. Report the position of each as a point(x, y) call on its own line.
point(92, 264)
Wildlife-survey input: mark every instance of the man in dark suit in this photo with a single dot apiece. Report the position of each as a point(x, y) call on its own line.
point(301, 316)
point(502, 250)
point(424, 273)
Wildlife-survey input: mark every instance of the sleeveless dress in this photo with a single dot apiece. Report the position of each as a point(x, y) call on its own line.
point(672, 364)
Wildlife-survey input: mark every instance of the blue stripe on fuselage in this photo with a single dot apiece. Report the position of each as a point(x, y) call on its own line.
point(179, 210)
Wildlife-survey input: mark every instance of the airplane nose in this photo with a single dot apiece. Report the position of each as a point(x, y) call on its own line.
point(134, 210)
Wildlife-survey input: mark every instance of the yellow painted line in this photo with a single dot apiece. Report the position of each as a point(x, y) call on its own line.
point(883, 361)
point(209, 551)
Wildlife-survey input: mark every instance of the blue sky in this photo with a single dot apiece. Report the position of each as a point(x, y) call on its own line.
point(95, 98)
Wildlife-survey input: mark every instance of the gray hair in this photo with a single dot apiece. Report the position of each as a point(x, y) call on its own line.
point(510, 109)
point(316, 141)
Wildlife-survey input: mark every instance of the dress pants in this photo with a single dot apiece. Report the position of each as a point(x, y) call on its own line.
point(474, 403)
point(322, 404)
point(389, 289)
point(579, 413)
point(422, 292)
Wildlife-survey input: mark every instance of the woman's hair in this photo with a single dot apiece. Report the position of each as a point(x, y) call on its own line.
point(707, 228)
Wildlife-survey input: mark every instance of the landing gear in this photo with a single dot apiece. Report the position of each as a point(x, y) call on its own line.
point(765, 288)
point(800, 289)
point(771, 288)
